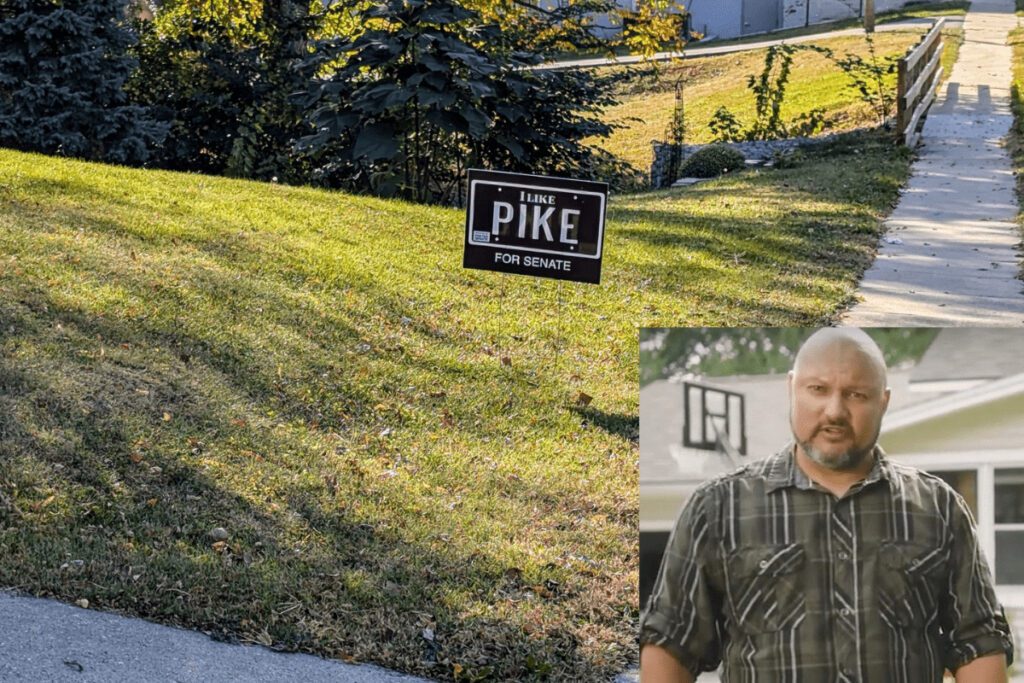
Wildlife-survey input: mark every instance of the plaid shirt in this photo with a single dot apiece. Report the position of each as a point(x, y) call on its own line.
point(772, 575)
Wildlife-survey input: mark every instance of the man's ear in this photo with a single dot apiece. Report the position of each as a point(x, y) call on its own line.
point(789, 383)
point(885, 399)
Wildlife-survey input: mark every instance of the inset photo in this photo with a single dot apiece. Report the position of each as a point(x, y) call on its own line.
point(836, 504)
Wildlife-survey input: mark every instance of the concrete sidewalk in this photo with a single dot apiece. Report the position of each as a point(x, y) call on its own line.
point(46, 640)
point(949, 256)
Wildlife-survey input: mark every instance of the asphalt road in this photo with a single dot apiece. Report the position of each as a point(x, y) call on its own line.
point(697, 50)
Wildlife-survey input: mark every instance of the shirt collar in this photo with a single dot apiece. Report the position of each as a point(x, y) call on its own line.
point(781, 470)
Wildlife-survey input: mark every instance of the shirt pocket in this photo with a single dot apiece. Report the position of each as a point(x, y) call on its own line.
point(763, 587)
point(911, 578)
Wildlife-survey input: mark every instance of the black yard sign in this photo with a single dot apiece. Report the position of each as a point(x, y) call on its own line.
point(534, 225)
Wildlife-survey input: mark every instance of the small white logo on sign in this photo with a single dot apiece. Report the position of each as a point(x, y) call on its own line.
point(481, 236)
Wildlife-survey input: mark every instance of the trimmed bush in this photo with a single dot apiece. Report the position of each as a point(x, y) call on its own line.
point(711, 161)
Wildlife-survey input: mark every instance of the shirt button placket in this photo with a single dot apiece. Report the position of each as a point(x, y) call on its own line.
point(844, 576)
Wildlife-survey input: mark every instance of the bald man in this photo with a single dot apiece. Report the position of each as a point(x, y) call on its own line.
point(826, 562)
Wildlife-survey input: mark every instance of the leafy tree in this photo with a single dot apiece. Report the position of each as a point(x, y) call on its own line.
point(655, 25)
point(270, 122)
point(769, 90)
point(751, 351)
point(198, 77)
point(429, 89)
point(568, 25)
point(221, 73)
point(63, 66)
point(872, 78)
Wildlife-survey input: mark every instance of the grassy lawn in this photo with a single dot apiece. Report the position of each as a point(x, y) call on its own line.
point(1015, 141)
point(710, 82)
point(390, 442)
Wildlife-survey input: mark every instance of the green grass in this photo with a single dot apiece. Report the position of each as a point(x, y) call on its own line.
point(711, 82)
point(953, 40)
point(1015, 140)
point(393, 443)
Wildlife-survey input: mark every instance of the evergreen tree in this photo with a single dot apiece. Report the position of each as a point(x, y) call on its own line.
point(429, 89)
point(63, 65)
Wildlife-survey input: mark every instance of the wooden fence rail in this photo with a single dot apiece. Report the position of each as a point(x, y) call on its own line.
point(919, 75)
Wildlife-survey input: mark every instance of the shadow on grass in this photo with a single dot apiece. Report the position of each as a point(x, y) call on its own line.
point(619, 424)
point(305, 567)
point(145, 432)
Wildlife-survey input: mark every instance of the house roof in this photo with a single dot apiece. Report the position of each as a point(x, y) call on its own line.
point(946, 404)
point(970, 354)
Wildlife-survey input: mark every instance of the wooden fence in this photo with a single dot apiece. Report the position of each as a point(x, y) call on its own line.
point(919, 74)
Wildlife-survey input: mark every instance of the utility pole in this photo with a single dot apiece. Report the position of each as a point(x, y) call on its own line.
point(869, 16)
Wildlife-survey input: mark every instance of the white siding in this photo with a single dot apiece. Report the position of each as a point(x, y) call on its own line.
point(795, 12)
point(994, 426)
point(723, 19)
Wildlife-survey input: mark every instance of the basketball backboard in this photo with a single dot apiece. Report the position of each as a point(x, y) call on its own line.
point(710, 415)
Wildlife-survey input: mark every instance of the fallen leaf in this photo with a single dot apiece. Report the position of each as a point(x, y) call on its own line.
point(83, 603)
point(40, 504)
point(167, 416)
point(135, 458)
point(219, 546)
point(505, 360)
point(238, 422)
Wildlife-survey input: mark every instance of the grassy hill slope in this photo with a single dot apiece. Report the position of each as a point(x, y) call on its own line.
point(391, 443)
point(647, 106)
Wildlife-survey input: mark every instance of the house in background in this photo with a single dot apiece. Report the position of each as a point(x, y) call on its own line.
point(735, 18)
point(958, 413)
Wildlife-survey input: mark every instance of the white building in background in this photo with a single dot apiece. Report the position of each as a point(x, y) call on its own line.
point(735, 18)
point(958, 413)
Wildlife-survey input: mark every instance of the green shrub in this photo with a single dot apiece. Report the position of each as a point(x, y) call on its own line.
point(711, 161)
point(788, 158)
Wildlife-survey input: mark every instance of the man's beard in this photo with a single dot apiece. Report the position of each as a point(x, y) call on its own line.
point(847, 460)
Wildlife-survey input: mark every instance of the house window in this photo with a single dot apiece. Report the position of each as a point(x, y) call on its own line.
point(1009, 525)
